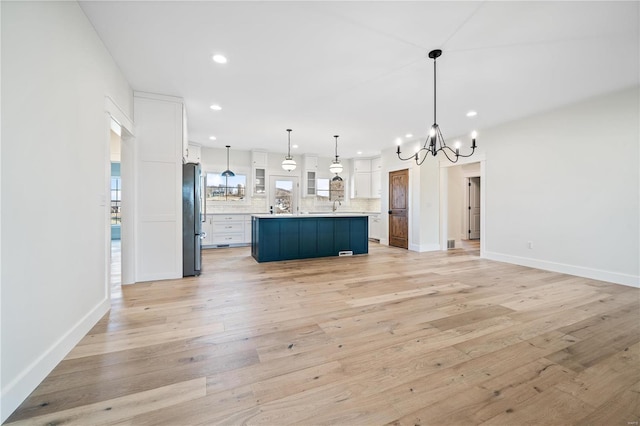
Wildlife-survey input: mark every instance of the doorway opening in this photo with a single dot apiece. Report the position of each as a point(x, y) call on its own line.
point(115, 209)
point(462, 205)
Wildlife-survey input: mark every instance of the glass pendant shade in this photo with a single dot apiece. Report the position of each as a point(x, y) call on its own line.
point(289, 164)
point(335, 167)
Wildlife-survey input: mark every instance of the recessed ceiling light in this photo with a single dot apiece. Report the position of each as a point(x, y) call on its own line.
point(472, 114)
point(359, 152)
point(408, 135)
point(213, 138)
point(219, 59)
point(294, 146)
point(215, 107)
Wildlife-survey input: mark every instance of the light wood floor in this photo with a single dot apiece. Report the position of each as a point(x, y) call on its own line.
point(393, 337)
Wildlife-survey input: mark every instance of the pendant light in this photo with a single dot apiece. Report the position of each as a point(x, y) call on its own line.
point(228, 173)
point(289, 163)
point(336, 167)
point(435, 141)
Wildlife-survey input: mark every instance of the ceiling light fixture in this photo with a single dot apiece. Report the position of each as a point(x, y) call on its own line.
point(336, 167)
point(228, 173)
point(289, 163)
point(215, 107)
point(435, 142)
point(219, 59)
point(472, 114)
point(213, 138)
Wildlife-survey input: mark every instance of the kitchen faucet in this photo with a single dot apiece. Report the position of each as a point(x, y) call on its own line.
point(334, 205)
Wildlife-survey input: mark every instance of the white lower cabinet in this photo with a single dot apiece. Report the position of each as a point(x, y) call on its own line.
point(375, 226)
point(227, 229)
point(247, 229)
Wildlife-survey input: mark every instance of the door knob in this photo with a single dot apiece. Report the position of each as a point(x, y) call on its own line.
point(390, 212)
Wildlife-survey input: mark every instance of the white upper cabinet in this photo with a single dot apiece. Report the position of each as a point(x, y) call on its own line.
point(376, 177)
point(367, 174)
point(310, 162)
point(362, 165)
point(259, 159)
point(194, 153)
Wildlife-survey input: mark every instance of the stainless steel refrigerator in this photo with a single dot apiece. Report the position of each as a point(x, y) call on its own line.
point(191, 220)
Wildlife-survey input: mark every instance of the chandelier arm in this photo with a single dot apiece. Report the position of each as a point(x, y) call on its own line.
point(444, 151)
point(417, 156)
point(440, 139)
point(408, 158)
point(468, 155)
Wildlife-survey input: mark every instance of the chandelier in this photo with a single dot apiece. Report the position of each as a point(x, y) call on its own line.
point(336, 167)
point(289, 164)
point(435, 142)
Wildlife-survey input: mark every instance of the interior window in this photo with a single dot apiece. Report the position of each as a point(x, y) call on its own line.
point(222, 188)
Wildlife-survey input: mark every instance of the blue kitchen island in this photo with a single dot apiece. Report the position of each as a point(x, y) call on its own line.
point(286, 237)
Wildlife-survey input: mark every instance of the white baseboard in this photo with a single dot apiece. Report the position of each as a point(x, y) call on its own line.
point(19, 389)
point(424, 247)
point(580, 271)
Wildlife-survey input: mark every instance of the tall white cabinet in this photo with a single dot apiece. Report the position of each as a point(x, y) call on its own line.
point(160, 141)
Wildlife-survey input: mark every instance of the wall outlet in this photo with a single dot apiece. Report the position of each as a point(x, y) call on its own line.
point(530, 244)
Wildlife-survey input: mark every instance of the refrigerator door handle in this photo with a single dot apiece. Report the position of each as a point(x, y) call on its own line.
point(203, 235)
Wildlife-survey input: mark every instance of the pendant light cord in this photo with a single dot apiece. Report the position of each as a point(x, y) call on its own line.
point(434, 91)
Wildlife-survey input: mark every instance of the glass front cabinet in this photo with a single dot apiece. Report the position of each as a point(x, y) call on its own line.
point(259, 167)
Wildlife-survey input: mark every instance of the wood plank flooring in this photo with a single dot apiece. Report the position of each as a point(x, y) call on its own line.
point(393, 337)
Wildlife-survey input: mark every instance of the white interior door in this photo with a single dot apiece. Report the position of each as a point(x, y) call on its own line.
point(284, 195)
point(474, 208)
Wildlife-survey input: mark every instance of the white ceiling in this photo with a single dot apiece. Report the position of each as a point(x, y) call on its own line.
point(360, 69)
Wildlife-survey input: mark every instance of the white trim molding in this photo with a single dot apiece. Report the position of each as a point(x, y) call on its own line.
point(580, 271)
point(19, 389)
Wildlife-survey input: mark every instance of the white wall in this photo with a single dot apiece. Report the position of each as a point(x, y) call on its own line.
point(55, 154)
point(567, 181)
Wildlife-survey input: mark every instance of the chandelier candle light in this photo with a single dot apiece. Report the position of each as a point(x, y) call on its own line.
point(289, 163)
point(435, 142)
point(336, 167)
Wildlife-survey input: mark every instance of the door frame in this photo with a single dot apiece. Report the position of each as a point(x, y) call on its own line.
point(296, 190)
point(444, 194)
point(127, 172)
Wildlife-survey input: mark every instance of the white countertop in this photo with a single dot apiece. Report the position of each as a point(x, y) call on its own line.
point(303, 215)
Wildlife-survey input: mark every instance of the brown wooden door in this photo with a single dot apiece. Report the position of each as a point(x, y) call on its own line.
point(398, 205)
